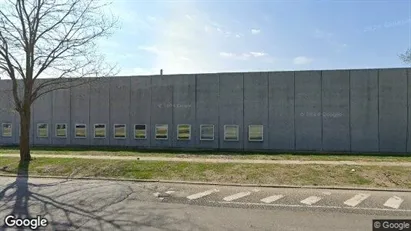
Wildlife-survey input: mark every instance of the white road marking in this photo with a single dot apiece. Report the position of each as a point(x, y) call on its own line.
point(202, 194)
point(256, 190)
point(311, 200)
point(357, 199)
point(271, 199)
point(394, 202)
point(170, 192)
point(236, 196)
point(313, 206)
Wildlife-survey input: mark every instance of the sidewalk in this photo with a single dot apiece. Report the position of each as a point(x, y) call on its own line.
point(204, 160)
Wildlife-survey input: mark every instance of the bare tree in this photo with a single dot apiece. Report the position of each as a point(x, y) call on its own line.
point(50, 38)
point(406, 57)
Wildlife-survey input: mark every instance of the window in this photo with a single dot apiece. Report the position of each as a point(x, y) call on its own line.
point(231, 132)
point(80, 131)
point(42, 130)
point(183, 132)
point(206, 132)
point(99, 131)
point(255, 133)
point(120, 131)
point(161, 131)
point(61, 130)
point(6, 130)
point(140, 132)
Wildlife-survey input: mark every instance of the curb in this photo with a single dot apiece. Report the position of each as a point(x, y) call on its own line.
point(217, 184)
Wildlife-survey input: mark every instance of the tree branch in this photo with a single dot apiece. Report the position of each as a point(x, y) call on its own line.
point(51, 38)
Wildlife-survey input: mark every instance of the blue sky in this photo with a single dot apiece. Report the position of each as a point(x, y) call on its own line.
point(216, 36)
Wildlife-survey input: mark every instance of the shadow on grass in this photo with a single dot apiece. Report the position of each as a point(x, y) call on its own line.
point(204, 152)
point(23, 200)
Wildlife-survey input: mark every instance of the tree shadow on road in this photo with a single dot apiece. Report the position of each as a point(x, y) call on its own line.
point(20, 196)
point(21, 192)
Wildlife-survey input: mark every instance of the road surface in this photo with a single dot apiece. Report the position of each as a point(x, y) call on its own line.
point(110, 205)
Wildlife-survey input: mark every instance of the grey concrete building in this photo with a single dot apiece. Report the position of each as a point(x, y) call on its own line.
point(331, 110)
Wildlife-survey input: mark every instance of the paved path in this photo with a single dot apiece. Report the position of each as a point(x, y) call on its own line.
point(210, 160)
point(111, 205)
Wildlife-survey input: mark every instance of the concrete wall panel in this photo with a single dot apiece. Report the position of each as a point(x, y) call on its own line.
point(7, 113)
point(42, 113)
point(61, 114)
point(184, 100)
point(207, 109)
point(119, 107)
point(231, 107)
point(256, 108)
point(20, 90)
point(281, 111)
point(336, 111)
point(364, 110)
point(393, 110)
point(161, 109)
point(79, 114)
point(140, 107)
point(100, 109)
point(308, 110)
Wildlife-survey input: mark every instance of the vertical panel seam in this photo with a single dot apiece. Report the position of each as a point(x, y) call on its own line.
point(171, 133)
point(128, 141)
point(267, 146)
point(150, 127)
point(52, 118)
point(71, 117)
point(109, 111)
point(378, 110)
point(32, 125)
point(295, 127)
point(243, 127)
point(90, 131)
point(349, 109)
point(322, 113)
point(219, 129)
point(194, 129)
point(407, 128)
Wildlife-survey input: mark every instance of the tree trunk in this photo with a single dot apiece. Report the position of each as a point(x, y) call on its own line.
point(25, 122)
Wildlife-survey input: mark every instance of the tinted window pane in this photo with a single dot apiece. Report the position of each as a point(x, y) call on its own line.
point(140, 131)
point(119, 131)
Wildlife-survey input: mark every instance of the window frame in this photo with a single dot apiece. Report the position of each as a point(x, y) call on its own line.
point(94, 131)
point(249, 133)
point(201, 129)
point(237, 129)
point(11, 130)
point(65, 132)
point(155, 132)
point(145, 131)
point(189, 132)
point(125, 132)
point(85, 131)
point(37, 131)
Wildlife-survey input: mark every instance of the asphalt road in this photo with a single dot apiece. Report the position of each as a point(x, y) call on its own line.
point(109, 205)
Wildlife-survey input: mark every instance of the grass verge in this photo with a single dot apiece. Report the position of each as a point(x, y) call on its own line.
point(363, 176)
point(214, 154)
